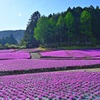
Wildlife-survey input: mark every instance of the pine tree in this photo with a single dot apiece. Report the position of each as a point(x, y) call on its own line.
point(30, 41)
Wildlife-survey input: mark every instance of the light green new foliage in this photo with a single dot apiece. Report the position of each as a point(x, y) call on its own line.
point(86, 26)
point(69, 20)
point(42, 29)
point(52, 30)
point(60, 22)
point(52, 22)
point(85, 16)
point(60, 28)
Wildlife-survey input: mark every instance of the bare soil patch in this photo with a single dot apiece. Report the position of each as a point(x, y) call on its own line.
point(35, 55)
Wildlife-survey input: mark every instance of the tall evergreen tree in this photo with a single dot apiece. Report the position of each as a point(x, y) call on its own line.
point(96, 24)
point(30, 41)
point(2, 41)
point(75, 26)
point(76, 13)
point(11, 40)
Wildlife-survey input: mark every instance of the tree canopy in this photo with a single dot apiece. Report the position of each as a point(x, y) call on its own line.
point(28, 39)
point(10, 40)
point(76, 26)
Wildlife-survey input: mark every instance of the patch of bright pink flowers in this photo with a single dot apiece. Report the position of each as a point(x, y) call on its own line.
point(14, 55)
point(26, 64)
point(91, 54)
point(51, 86)
point(7, 51)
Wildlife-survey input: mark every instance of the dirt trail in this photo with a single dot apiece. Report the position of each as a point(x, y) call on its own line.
point(35, 55)
point(89, 69)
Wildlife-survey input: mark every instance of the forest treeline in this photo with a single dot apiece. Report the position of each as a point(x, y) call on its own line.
point(76, 26)
point(9, 40)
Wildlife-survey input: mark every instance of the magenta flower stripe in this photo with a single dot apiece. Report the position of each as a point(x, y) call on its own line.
point(72, 53)
point(90, 54)
point(7, 51)
point(14, 55)
point(26, 64)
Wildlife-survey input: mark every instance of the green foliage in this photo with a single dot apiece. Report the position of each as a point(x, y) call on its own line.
point(69, 20)
point(53, 29)
point(85, 17)
point(1, 46)
point(10, 40)
point(61, 30)
point(11, 46)
point(86, 27)
point(77, 26)
point(17, 34)
point(30, 41)
point(60, 22)
point(42, 31)
point(52, 22)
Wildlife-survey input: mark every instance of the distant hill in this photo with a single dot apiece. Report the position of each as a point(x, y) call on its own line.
point(18, 34)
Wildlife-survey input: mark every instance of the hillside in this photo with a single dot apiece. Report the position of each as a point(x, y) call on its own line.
point(18, 34)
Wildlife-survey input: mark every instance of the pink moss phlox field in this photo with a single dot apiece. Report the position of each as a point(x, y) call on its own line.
point(14, 55)
point(7, 51)
point(26, 64)
point(51, 86)
point(72, 53)
point(59, 53)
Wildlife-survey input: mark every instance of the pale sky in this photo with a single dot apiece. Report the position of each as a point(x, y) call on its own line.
point(14, 14)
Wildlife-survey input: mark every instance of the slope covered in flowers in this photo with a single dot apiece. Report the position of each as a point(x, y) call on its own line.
point(17, 61)
point(7, 51)
point(11, 54)
point(51, 86)
point(27, 64)
point(73, 54)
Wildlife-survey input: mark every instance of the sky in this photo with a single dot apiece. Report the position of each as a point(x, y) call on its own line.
point(15, 14)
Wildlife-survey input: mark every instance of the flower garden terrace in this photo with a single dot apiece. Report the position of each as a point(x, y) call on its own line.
point(51, 86)
point(17, 66)
point(19, 61)
point(72, 54)
point(58, 85)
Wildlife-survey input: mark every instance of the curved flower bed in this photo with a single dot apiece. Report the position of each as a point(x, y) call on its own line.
point(72, 54)
point(7, 51)
point(51, 86)
point(14, 55)
point(41, 65)
point(58, 53)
